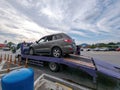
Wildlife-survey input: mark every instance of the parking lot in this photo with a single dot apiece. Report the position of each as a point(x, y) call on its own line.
point(80, 77)
point(108, 56)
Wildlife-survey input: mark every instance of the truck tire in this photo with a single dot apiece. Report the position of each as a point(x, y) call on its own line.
point(54, 67)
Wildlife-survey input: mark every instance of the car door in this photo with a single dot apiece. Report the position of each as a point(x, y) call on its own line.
point(40, 45)
point(47, 44)
point(44, 45)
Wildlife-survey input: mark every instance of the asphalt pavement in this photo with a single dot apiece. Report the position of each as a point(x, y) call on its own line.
point(107, 56)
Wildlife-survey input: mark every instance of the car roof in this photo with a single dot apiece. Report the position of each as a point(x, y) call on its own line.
point(63, 35)
point(56, 34)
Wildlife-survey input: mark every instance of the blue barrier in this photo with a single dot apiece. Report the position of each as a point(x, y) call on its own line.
point(22, 79)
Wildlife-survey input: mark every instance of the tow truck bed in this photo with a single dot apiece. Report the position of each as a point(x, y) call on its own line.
point(74, 61)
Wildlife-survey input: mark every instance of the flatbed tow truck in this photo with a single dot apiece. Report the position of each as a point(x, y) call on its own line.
point(89, 65)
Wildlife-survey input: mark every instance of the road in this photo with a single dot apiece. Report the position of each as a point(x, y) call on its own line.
point(77, 76)
point(108, 56)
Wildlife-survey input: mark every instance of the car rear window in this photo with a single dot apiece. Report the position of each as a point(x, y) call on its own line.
point(66, 36)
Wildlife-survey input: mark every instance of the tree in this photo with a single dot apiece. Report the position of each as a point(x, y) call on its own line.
point(111, 43)
point(9, 44)
point(5, 42)
point(93, 46)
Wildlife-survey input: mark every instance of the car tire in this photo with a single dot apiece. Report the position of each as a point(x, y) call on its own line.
point(54, 67)
point(31, 52)
point(56, 52)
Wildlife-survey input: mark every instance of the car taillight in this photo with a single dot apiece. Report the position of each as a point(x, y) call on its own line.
point(68, 40)
point(70, 48)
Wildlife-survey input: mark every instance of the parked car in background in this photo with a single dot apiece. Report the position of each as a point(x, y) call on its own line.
point(96, 49)
point(2, 46)
point(6, 49)
point(103, 49)
point(81, 49)
point(13, 48)
point(55, 45)
point(87, 49)
point(118, 49)
point(18, 53)
point(112, 49)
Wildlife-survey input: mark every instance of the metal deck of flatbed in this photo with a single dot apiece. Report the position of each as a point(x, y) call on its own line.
point(85, 61)
point(88, 65)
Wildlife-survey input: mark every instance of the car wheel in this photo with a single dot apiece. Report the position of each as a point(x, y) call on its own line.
point(31, 52)
point(56, 52)
point(54, 66)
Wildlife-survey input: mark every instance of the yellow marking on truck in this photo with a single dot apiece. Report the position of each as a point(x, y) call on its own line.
point(63, 86)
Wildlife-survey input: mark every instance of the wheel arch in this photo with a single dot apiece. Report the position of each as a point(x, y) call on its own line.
point(31, 48)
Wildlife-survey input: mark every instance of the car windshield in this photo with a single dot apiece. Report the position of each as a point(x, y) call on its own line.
point(42, 40)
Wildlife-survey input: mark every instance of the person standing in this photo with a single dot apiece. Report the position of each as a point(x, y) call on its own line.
point(77, 50)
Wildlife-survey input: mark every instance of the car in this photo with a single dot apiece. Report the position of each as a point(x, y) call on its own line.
point(6, 49)
point(112, 49)
point(81, 49)
point(118, 49)
point(56, 45)
point(103, 49)
point(88, 49)
point(96, 49)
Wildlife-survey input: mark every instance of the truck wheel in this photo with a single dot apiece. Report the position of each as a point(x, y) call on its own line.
point(31, 52)
point(56, 52)
point(54, 66)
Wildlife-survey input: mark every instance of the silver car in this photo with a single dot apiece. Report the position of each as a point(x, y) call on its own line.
point(55, 45)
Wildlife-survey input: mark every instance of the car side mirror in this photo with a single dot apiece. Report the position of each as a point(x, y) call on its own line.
point(36, 41)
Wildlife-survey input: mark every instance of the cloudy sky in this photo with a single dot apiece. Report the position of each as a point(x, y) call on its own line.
point(86, 21)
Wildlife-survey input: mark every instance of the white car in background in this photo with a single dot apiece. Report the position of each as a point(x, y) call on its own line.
point(85, 49)
point(96, 49)
point(101, 49)
point(104, 49)
point(6, 49)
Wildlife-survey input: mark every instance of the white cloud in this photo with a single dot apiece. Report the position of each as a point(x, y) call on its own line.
point(14, 22)
point(78, 33)
point(32, 19)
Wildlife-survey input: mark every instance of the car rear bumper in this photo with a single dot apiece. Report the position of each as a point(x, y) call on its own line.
point(69, 49)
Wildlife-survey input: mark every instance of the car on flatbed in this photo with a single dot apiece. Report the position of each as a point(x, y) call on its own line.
point(56, 45)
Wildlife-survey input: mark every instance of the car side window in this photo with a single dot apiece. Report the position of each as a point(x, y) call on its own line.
point(58, 36)
point(54, 37)
point(49, 38)
point(42, 40)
